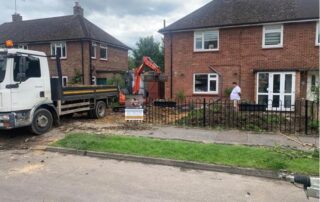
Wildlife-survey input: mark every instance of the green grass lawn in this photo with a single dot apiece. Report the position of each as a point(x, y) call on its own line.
point(241, 156)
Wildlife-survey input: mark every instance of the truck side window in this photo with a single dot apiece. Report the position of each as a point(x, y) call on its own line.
point(30, 66)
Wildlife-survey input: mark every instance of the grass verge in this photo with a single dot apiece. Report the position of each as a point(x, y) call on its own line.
point(231, 155)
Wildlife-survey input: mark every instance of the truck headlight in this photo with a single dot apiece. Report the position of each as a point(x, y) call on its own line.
point(4, 117)
point(7, 121)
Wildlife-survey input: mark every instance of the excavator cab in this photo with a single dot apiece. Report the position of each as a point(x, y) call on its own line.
point(133, 81)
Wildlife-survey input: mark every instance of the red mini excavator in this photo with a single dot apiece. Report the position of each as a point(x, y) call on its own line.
point(147, 62)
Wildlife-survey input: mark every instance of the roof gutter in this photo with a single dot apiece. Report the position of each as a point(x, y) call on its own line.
point(73, 39)
point(162, 31)
point(302, 69)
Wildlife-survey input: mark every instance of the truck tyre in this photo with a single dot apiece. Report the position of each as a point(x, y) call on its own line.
point(42, 121)
point(99, 110)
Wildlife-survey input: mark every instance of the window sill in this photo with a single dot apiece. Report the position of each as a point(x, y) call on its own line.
point(271, 47)
point(53, 58)
point(93, 58)
point(211, 93)
point(205, 51)
point(103, 59)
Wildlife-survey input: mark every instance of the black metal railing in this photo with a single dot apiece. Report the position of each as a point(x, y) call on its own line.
point(302, 117)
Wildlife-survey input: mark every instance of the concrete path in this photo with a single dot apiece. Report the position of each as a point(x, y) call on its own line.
point(224, 137)
point(40, 176)
point(18, 138)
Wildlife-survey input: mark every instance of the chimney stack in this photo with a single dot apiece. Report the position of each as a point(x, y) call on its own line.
point(77, 9)
point(16, 17)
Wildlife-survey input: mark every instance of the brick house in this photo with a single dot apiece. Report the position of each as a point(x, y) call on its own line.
point(270, 48)
point(88, 53)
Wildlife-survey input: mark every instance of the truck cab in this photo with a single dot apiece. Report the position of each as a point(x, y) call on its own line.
point(24, 86)
point(30, 96)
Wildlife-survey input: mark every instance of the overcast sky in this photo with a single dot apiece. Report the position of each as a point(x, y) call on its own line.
point(127, 20)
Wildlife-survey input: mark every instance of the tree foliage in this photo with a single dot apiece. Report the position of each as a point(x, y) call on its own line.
point(148, 47)
point(131, 62)
point(117, 80)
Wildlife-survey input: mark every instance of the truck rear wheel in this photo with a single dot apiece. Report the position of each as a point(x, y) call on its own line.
point(99, 111)
point(42, 121)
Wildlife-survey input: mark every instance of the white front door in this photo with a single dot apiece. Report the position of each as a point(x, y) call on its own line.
point(276, 90)
point(313, 83)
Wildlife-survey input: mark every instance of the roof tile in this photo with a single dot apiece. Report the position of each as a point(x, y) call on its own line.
point(71, 27)
point(221, 13)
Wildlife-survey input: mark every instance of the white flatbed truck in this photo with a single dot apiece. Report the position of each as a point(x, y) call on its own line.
point(29, 97)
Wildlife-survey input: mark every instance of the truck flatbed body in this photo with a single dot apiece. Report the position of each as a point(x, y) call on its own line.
point(71, 93)
point(88, 92)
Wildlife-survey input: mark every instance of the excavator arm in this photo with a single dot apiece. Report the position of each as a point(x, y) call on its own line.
point(147, 62)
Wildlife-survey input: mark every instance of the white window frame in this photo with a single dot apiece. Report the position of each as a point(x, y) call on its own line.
point(59, 45)
point(94, 46)
point(198, 32)
point(209, 79)
point(264, 32)
point(94, 80)
point(106, 48)
point(317, 34)
point(23, 46)
point(63, 78)
point(282, 93)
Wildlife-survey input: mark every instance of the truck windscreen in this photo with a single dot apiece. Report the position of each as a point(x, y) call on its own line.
point(3, 62)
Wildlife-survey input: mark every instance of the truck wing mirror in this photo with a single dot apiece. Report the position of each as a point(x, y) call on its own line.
point(21, 77)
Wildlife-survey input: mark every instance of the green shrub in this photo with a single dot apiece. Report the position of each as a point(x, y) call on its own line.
point(314, 124)
point(227, 92)
point(315, 153)
point(77, 79)
point(117, 80)
point(215, 108)
point(180, 96)
point(272, 119)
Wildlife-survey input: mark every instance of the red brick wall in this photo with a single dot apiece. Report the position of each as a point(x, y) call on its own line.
point(117, 58)
point(240, 51)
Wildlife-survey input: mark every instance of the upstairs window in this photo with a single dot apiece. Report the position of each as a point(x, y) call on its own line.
point(59, 49)
point(206, 40)
point(318, 34)
point(272, 36)
point(103, 53)
point(94, 51)
point(23, 46)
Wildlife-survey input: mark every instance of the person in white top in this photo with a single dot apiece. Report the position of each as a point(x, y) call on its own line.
point(235, 95)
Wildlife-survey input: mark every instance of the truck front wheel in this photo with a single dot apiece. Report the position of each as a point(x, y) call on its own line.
point(42, 121)
point(99, 110)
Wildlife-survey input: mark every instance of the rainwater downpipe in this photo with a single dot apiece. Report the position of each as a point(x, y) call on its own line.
point(171, 68)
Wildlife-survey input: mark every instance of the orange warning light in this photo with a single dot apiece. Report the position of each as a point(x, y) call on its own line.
point(9, 43)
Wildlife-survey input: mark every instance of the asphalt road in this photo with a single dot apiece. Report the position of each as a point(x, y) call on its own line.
point(42, 176)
